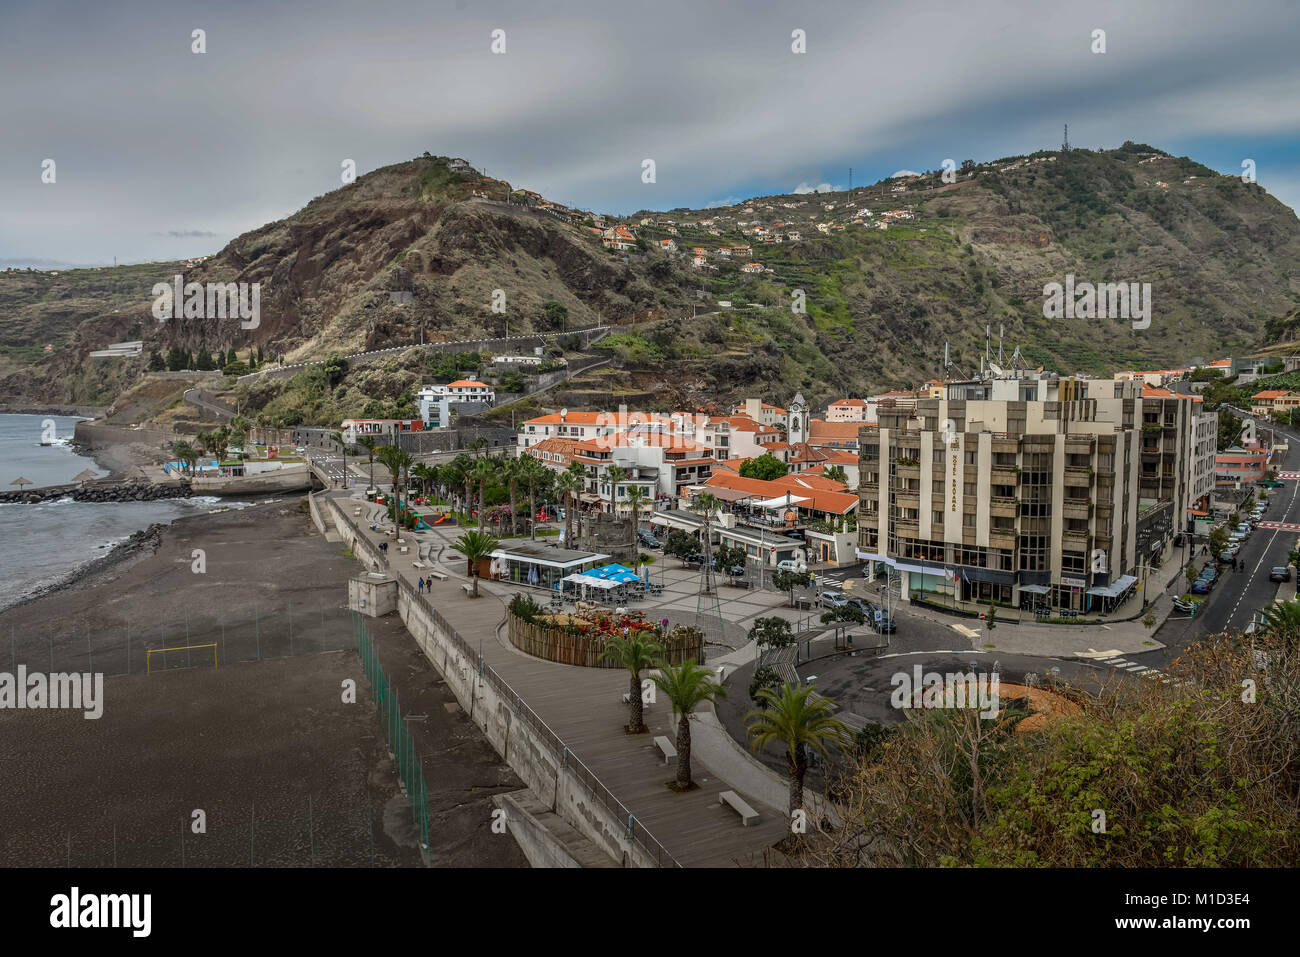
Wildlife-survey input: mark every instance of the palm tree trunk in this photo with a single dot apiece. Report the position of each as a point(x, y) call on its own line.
point(684, 753)
point(513, 509)
point(637, 724)
point(798, 768)
point(482, 497)
point(532, 509)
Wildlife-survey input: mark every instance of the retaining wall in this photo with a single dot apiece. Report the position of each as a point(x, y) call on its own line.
point(527, 750)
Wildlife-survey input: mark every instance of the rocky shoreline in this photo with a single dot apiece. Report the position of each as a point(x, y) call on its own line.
point(140, 544)
point(137, 491)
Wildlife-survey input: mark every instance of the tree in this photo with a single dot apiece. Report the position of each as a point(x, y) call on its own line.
point(510, 471)
point(343, 454)
point(1282, 621)
point(635, 652)
point(336, 367)
point(482, 473)
point(789, 581)
point(205, 363)
point(614, 474)
point(370, 444)
point(1229, 428)
point(706, 503)
point(844, 612)
point(185, 454)
point(569, 484)
point(772, 632)
point(475, 546)
point(396, 461)
point(682, 546)
point(764, 677)
point(836, 473)
point(1234, 521)
point(1218, 541)
point(766, 467)
point(801, 722)
point(236, 368)
point(635, 500)
point(156, 363)
point(687, 687)
point(1191, 574)
point(557, 315)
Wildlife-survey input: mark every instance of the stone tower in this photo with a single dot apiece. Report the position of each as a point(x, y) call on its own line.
point(796, 420)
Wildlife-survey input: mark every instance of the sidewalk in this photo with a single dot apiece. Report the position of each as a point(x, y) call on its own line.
point(1066, 641)
point(582, 707)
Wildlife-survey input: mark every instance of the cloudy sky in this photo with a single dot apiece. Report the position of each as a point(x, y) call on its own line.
point(163, 153)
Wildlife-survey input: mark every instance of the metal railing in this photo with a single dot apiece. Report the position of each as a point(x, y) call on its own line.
point(636, 831)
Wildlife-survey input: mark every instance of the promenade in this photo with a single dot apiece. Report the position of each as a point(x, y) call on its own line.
point(584, 707)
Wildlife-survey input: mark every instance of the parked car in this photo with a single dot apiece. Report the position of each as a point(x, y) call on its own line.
point(1274, 485)
point(1280, 574)
point(882, 621)
point(834, 599)
point(648, 540)
point(1231, 551)
point(790, 565)
point(861, 604)
point(1202, 586)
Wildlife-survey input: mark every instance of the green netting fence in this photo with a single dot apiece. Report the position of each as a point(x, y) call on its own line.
point(400, 741)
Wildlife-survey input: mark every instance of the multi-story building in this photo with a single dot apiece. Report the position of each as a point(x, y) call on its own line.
point(1024, 502)
point(659, 465)
point(437, 401)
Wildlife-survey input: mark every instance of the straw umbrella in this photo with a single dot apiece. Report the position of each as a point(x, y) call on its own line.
point(85, 475)
point(20, 482)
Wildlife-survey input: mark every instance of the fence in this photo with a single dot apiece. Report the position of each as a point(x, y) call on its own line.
point(400, 742)
point(545, 736)
point(247, 632)
point(558, 644)
point(636, 831)
point(246, 836)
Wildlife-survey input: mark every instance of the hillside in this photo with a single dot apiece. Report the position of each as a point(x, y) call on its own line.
point(418, 248)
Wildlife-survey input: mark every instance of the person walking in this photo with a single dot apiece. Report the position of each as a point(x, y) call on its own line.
point(419, 586)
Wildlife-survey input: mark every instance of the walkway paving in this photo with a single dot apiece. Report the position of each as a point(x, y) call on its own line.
point(583, 707)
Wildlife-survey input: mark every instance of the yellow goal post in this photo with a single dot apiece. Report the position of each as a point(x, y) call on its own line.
point(150, 652)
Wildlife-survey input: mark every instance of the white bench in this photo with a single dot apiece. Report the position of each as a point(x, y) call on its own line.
point(417, 564)
point(467, 588)
point(441, 576)
point(666, 746)
point(747, 813)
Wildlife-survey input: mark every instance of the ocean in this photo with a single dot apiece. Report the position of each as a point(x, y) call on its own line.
point(44, 544)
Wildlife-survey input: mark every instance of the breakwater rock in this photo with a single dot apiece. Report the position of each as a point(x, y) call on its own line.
point(101, 492)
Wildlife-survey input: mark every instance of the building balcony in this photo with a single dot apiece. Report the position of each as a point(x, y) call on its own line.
point(1078, 445)
point(1005, 474)
point(1004, 507)
point(908, 498)
point(1077, 508)
point(1075, 538)
point(907, 527)
point(1005, 445)
point(1002, 537)
point(909, 472)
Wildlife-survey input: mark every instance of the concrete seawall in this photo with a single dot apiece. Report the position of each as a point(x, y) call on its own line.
point(532, 752)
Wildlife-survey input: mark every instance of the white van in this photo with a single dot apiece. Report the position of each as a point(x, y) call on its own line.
point(790, 565)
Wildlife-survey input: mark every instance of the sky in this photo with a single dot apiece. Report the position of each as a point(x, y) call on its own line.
point(163, 153)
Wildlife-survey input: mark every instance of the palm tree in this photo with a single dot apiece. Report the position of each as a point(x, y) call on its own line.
point(427, 475)
point(635, 652)
point(510, 471)
point(614, 474)
point(800, 721)
point(370, 444)
point(569, 484)
point(1282, 621)
point(687, 687)
point(531, 471)
point(707, 503)
point(475, 546)
point(396, 461)
point(482, 473)
point(343, 453)
point(635, 499)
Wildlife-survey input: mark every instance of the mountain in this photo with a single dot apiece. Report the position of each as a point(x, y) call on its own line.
point(958, 253)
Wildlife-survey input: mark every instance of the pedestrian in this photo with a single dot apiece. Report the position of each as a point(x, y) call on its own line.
point(419, 586)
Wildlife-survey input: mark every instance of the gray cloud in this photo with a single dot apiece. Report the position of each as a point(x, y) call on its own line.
point(256, 127)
